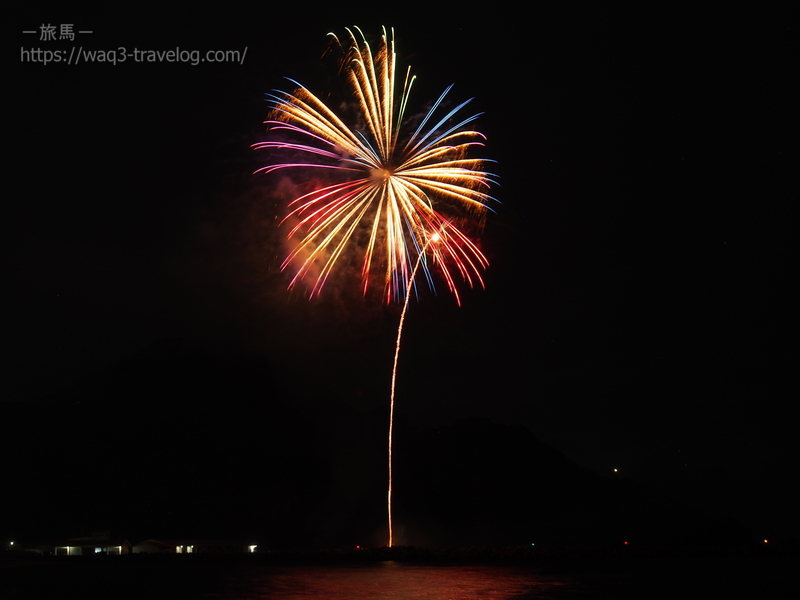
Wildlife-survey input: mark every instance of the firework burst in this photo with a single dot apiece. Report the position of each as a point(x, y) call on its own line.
point(394, 183)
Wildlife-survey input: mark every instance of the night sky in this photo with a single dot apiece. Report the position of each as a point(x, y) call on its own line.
point(640, 307)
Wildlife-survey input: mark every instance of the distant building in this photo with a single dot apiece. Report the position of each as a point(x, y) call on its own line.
point(99, 543)
point(187, 546)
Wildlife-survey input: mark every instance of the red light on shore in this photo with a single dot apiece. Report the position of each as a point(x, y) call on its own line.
point(626, 543)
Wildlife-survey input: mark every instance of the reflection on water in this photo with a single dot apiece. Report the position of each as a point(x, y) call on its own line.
point(391, 580)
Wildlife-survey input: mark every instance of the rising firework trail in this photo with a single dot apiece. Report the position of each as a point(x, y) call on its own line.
point(389, 186)
point(434, 238)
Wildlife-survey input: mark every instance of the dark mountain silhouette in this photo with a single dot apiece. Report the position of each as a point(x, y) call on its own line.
point(206, 440)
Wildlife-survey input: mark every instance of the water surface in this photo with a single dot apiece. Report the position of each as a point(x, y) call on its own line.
point(389, 581)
